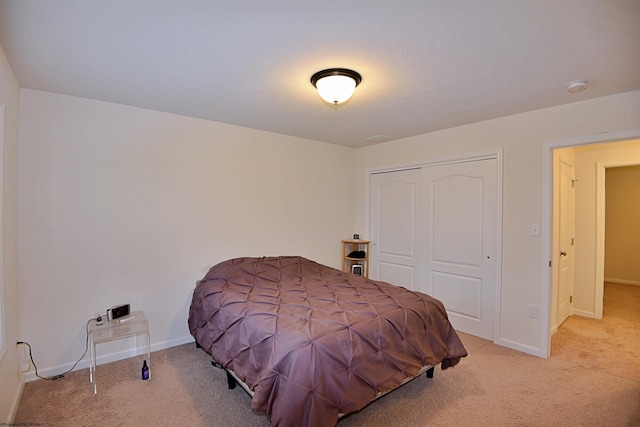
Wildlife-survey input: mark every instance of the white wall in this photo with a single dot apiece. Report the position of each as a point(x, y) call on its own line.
point(10, 378)
point(522, 137)
point(120, 204)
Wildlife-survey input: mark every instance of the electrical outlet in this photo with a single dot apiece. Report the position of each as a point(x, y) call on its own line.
point(535, 230)
point(533, 311)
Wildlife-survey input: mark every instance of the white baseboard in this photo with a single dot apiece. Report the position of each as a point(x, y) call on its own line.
point(13, 410)
point(534, 351)
point(583, 313)
point(104, 358)
point(622, 281)
point(172, 343)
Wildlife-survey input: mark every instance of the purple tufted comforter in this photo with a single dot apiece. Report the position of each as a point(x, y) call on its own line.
point(311, 341)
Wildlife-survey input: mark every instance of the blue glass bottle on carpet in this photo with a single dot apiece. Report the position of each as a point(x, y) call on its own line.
point(145, 371)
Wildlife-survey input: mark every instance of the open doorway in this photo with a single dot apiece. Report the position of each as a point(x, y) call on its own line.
point(622, 225)
point(622, 232)
point(547, 304)
point(590, 161)
point(593, 154)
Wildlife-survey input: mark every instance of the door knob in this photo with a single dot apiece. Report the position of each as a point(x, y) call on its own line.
point(563, 253)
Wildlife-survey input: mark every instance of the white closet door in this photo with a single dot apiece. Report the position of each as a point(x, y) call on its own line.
point(395, 223)
point(460, 231)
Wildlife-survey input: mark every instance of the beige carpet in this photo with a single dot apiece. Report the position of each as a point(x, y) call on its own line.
point(592, 379)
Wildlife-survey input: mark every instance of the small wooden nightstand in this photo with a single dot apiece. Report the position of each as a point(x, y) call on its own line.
point(348, 262)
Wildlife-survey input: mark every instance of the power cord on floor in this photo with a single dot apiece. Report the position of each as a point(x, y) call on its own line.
point(57, 377)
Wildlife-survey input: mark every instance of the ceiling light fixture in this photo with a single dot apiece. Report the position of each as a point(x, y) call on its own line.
point(336, 85)
point(577, 86)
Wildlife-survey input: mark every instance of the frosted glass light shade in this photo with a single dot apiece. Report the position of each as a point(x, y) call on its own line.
point(336, 85)
point(336, 89)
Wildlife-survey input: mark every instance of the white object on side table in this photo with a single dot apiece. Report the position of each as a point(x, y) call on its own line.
point(133, 325)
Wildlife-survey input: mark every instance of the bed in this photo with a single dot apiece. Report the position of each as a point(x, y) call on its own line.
point(312, 343)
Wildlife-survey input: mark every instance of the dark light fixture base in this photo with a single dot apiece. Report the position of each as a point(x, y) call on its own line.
point(336, 72)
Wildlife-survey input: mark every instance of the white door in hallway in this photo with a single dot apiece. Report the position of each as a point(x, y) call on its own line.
point(566, 244)
point(461, 229)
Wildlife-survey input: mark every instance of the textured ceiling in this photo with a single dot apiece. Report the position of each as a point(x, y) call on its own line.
point(426, 65)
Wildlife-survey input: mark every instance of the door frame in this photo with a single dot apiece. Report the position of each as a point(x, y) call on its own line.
point(496, 154)
point(600, 227)
point(547, 223)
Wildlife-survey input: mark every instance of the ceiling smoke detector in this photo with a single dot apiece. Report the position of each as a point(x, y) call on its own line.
point(577, 86)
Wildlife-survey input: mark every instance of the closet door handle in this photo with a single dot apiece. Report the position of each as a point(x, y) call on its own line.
point(563, 253)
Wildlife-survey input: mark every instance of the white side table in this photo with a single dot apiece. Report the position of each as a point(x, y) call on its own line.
point(133, 325)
